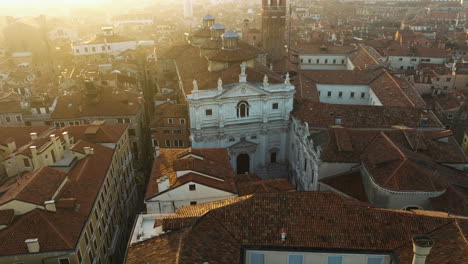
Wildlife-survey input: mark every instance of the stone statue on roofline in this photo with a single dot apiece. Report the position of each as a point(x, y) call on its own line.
point(265, 81)
point(195, 85)
point(220, 86)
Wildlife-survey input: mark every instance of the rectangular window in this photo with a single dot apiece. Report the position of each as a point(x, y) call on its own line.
point(18, 118)
point(363, 95)
point(326, 61)
point(77, 51)
point(181, 143)
point(449, 79)
point(208, 112)
point(26, 162)
point(340, 94)
point(318, 61)
point(310, 61)
point(335, 260)
point(274, 106)
point(177, 131)
point(155, 143)
point(176, 143)
point(295, 259)
point(94, 49)
point(334, 61)
point(232, 139)
point(192, 187)
point(182, 121)
point(170, 121)
point(257, 258)
point(342, 61)
point(193, 202)
point(86, 49)
point(375, 260)
point(8, 119)
point(329, 94)
point(400, 59)
point(64, 261)
point(168, 143)
point(352, 94)
point(273, 157)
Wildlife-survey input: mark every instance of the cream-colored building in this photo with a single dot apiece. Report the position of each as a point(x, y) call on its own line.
point(73, 210)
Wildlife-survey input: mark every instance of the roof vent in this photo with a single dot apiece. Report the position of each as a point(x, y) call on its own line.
point(33, 245)
point(33, 136)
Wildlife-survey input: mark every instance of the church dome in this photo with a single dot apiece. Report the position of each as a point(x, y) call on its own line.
point(208, 17)
point(230, 34)
point(217, 27)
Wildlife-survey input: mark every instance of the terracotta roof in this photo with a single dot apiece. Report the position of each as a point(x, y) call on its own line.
point(10, 103)
point(318, 48)
point(6, 216)
point(349, 183)
point(396, 168)
point(20, 134)
point(453, 201)
point(215, 162)
point(169, 110)
point(34, 187)
point(101, 134)
point(101, 39)
point(250, 184)
point(325, 221)
point(231, 55)
point(105, 103)
point(440, 152)
point(161, 249)
point(61, 230)
point(318, 114)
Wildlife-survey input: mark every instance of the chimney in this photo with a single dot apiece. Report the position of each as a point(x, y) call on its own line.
point(422, 245)
point(163, 183)
point(33, 245)
point(91, 151)
point(283, 234)
point(157, 151)
point(11, 146)
point(50, 206)
point(33, 136)
point(33, 150)
point(87, 151)
point(66, 137)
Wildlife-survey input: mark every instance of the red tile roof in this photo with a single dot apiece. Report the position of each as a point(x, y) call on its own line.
point(311, 220)
point(440, 152)
point(215, 163)
point(106, 103)
point(62, 229)
point(20, 134)
point(34, 187)
point(318, 114)
point(6, 216)
point(250, 184)
point(349, 183)
point(101, 134)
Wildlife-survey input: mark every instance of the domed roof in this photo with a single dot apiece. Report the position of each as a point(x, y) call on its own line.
point(230, 34)
point(217, 27)
point(208, 17)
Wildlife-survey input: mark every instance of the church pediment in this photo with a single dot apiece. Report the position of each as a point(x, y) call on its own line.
point(243, 146)
point(243, 89)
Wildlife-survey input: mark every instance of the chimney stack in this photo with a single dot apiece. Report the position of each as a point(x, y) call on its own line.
point(50, 206)
point(163, 183)
point(157, 151)
point(87, 150)
point(11, 146)
point(283, 234)
point(66, 137)
point(91, 151)
point(422, 245)
point(33, 245)
point(33, 135)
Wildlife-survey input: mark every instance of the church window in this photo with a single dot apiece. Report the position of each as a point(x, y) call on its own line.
point(273, 157)
point(208, 112)
point(242, 109)
point(274, 106)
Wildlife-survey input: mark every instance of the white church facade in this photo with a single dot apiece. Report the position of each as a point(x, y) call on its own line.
point(250, 119)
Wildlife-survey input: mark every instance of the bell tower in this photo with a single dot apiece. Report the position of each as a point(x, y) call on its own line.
point(273, 28)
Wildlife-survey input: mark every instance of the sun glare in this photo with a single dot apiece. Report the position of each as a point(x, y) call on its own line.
point(49, 3)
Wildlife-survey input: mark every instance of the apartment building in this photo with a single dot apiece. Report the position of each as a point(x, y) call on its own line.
point(75, 209)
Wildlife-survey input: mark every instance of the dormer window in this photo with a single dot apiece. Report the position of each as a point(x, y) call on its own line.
point(242, 109)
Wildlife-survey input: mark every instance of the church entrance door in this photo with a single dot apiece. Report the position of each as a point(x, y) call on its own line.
point(243, 163)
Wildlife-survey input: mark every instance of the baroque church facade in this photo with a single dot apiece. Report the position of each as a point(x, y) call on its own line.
point(250, 119)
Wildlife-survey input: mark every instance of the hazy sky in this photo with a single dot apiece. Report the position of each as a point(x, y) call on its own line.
point(49, 3)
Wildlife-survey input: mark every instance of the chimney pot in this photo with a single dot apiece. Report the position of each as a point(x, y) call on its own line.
point(33, 245)
point(283, 234)
point(91, 151)
point(422, 245)
point(87, 150)
point(50, 206)
point(33, 135)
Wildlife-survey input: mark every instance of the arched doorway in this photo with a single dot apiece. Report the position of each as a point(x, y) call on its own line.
point(243, 163)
